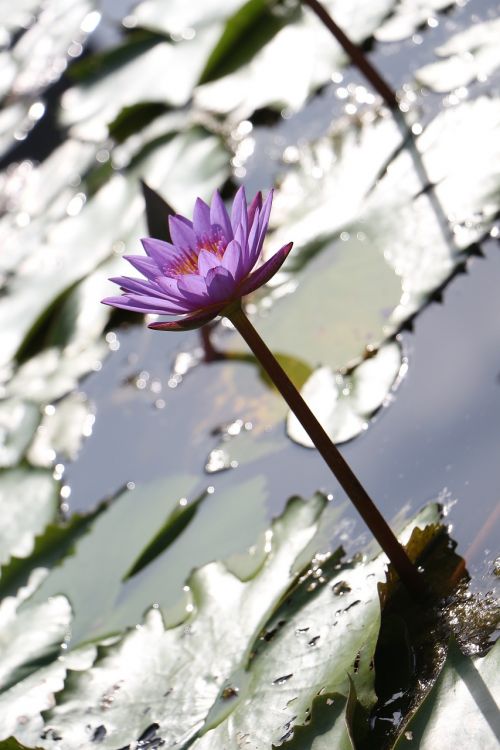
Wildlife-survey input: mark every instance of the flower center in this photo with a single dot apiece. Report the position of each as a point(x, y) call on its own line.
point(187, 261)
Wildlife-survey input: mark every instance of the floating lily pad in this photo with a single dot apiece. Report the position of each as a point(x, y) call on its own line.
point(90, 107)
point(205, 648)
point(197, 679)
point(28, 502)
point(222, 525)
point(328, 725)
point(471, 55)
point(60, 30)
point(343, 404)
point(18, 421)
point(408, 16)
point(461, 710)
point(30, 635)
point(22, 703)
point(276, 76)
point(62, 430)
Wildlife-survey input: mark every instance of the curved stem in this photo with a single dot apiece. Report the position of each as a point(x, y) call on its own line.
point(334, 459)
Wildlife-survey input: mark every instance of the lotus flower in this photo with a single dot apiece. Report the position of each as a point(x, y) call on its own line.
point(207, 267)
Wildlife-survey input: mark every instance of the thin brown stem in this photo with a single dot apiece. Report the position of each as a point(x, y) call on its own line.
point(358, 58)
point(342, 471)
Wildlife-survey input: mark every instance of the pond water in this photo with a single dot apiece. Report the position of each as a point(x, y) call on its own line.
point(435, 438)
point(175, 450)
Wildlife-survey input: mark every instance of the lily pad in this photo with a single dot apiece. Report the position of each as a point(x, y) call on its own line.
point(28, 502)
point(89, 108)
point(222, 525)
point(344, 403)
point(328, 725)
point(408, 16)
point(276, 76)
point(471, 55)
point(18, 421)
point(461, 710)
point(62, 430)
point(204, 648)
point(30, 635)
point(60, 30)
point(197, 678)
point(22, 703)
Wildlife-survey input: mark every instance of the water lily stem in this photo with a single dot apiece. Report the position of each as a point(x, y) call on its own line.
point(334, 459)
point(358, 58)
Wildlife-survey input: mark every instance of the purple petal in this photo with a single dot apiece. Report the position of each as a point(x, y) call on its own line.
point(182, 233)
point(266, 271)
point(220, 217)
point(149, 288)
point(201, 218)
point(193, 289)
point(220, 284)
point(239, 215)
point(251, 253)
point(144, 265)
point(264, 221)
point(142, 304)
point(206, 261)
point(256, 205)
point(232, 260)
point(163, 253)
point(168, 285)
point(186, 324)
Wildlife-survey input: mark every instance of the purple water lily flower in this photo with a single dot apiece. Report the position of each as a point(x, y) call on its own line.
point(207, 267)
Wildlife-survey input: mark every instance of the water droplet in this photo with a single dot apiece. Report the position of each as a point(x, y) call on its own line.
point(229, 692)
point(283, 679)
point(341, 588)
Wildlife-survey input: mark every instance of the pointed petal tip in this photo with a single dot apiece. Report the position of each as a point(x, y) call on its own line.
point(185, 324)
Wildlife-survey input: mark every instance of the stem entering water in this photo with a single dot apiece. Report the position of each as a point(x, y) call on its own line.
point(334, 459)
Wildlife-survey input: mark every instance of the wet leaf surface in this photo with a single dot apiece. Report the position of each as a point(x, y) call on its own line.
point(462, 707)
point(470, 55)
point(29, 501)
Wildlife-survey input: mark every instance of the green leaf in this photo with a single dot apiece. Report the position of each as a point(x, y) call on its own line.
point(21, 704)
point(28, 502)
point(89, 108)
point(179, 17)
point(462, 709)
point(13, 744)
point(50, 546)
point(18, 421)
point(328, 725)
point(344, 403)
point(472, 54)
point(174, 525)
point(276, 76)
point(127, 533)
point(62, 430)
point(246, 32)
point(176, 674)
point(30, 636)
